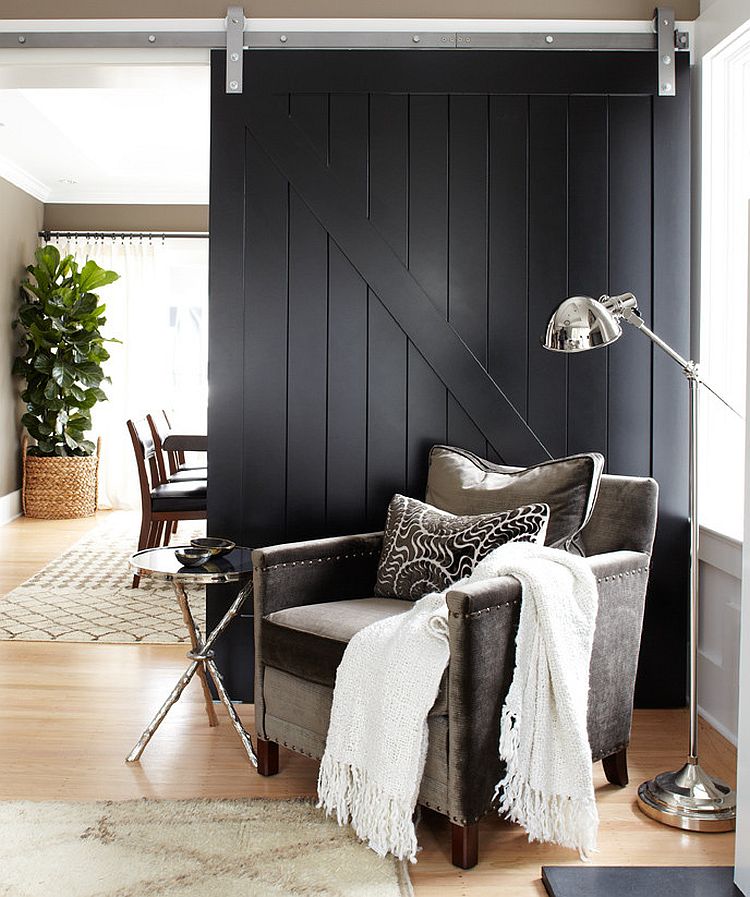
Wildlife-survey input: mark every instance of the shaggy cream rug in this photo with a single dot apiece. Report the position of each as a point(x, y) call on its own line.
point(86, 596)
point(200, 848)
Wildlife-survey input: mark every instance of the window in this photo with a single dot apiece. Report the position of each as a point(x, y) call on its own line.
point(724, 279)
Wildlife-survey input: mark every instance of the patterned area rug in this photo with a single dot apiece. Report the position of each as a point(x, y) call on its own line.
point(206, 848)
point(86, 596)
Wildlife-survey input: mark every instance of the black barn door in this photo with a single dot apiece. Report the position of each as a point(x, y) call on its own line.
point(390, 231)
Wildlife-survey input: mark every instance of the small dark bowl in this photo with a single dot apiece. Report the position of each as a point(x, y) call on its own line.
point(216, 547)
point(192, 557)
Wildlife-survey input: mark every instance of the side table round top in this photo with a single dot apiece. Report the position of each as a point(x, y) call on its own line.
point(161, 563)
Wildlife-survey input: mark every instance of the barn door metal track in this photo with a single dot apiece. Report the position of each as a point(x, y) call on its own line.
point(666, 40)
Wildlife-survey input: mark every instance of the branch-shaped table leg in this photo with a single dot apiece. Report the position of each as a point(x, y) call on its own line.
point(196, 641)
point(163, 710)
point(236, 721)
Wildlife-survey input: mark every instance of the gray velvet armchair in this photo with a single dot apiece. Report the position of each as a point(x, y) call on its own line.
point(311, 597)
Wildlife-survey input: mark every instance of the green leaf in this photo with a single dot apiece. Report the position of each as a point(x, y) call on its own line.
point(43, 363)
point(48, 259)
point(41, 339)
point(98, 353)
point(50, 390)
point(29, 420)
point(92, 277)
point(89, 373)
point(87, 446)
point(64, 374)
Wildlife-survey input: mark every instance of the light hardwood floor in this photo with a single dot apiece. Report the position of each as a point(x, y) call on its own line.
point(69, 713)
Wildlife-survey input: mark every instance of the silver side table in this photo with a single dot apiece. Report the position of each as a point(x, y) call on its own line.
point(161, 563)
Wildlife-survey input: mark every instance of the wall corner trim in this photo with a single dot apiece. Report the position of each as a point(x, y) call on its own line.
point(10, 507)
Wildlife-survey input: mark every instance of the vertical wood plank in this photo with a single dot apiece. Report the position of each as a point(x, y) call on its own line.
point(428, 249)
point(508, 248)
point(226, 313)
point(630, 198)
point(428, 196)
point(387, 344)
point(307, 373)
point(346, 480)
point(662, 675)
point(548, 273)
point(467, 247)
point(307, 342)
point(389, 169)
point(386, 416)
point(264, 430)
point(587, 266)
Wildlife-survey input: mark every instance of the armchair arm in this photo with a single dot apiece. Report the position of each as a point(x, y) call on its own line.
point(301, 573)
point(622, 578)
point(482, 625)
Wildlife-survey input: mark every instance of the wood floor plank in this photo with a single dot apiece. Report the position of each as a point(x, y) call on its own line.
point(69, 714)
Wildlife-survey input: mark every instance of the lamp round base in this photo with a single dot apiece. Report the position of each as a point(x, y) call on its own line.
point(690, 799)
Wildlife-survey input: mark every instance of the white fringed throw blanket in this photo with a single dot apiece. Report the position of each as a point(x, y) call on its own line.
point(388, 680)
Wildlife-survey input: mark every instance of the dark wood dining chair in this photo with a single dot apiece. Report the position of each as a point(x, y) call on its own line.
point(162, 503)
point(170, 468)
point(177, 461)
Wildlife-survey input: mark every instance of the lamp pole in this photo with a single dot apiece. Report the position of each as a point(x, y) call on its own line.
point(687, 798)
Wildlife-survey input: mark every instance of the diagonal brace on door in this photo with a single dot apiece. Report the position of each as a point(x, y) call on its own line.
point(289, 150)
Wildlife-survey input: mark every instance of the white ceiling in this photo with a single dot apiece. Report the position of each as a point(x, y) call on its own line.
point(106, 133)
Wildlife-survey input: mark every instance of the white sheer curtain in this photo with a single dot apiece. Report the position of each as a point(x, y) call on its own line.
point(158, 308)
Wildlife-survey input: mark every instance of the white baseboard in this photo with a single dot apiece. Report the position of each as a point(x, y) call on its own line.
point(10, 506)
point(721, 729)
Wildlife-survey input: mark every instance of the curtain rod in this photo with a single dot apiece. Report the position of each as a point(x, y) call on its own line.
point(159, 235)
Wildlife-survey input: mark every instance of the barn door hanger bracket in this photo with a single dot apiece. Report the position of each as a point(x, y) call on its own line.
point(235, 46)
point(668, 39)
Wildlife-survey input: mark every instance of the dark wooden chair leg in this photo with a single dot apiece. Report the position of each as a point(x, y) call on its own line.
point(268, 757)
point(465, 845)
point(616, 767)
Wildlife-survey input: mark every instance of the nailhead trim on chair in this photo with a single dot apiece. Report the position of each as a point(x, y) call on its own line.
point(624, 573)
point(486, 610)
point(323, 560)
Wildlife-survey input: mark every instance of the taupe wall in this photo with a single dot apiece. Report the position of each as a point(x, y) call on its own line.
point(166, 218)
point(20, 219)
point(431, 9)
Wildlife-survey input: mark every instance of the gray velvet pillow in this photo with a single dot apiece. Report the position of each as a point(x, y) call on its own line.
point(425, 550)
point(462, 483)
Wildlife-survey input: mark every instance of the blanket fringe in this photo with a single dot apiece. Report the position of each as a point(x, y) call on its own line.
point(378, 817)
point(571, 822)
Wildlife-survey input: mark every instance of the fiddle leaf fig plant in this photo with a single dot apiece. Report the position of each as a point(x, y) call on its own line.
point(61, 351)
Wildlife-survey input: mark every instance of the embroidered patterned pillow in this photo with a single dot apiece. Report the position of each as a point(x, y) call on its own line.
point(425, 549)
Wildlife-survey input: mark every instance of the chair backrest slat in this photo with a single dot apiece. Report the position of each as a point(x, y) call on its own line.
point(145, 458)
point(158, 425)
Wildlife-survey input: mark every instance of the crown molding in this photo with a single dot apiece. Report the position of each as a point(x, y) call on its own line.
point(22, 179)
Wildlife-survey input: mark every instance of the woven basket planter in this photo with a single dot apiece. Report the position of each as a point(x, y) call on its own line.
point(60, 488)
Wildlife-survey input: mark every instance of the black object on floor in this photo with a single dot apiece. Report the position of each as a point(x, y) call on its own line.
point(640, 881)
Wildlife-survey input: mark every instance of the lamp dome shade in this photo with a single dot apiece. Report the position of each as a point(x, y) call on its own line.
point(580, 323)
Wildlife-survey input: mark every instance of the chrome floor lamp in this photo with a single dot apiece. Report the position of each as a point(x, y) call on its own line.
point(688, 798)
